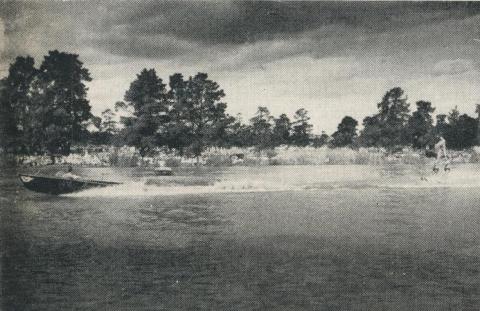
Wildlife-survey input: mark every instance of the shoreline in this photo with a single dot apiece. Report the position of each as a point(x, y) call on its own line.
point(128, 157)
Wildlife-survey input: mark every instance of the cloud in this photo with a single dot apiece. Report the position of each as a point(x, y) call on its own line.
point(334, 58)
point(236, 33)
point(454, 67)
point(251, 21)
point(149, 46)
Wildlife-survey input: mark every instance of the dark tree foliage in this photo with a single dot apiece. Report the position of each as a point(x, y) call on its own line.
point(441, 127)
point(372, 132)
point(107, 128)
point(261, 129)
point(238, 134)
point(420, 125)
point(346, 133)
point(108, 123)
point(467, 128)
point(60, 100)
point(198, 118)
point(45, 110)
point(388, 127)
point(320, 140)
point(147, 98)
point(477, 110)
point(281, 130)
point(453, 116)
point(16, 105)
point(461, 131)
point(301, 128)
point(48, 105)
point(8, 126)
point(175, 134)
point(450, 126)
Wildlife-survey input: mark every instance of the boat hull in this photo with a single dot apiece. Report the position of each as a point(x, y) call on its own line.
point(56, 185)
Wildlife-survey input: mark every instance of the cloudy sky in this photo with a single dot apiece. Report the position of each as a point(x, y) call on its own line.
point(334, 59)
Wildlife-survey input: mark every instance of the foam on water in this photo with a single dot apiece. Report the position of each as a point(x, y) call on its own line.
point(140, 188)
point(296, 181)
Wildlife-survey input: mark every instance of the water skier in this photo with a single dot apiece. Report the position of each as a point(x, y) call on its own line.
point(441, 152)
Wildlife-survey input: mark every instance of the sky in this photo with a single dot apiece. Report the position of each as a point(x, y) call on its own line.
point(331, 58)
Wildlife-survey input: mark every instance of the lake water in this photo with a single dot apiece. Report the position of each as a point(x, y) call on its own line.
point(262, 238)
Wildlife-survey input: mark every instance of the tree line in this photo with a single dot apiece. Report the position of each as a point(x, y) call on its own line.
point(393, 126)
point(45, 110)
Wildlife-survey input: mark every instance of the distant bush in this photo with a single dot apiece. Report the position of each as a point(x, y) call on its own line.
point(271, 153)
point(475, 155)
point(283, 155)
point(123, 158)
point(274, 162)
point(218, 160)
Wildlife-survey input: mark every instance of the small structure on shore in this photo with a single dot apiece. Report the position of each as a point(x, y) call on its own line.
point(163, 171)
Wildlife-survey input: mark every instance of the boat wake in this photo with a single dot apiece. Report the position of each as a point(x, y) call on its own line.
point(148, 187)
point(142, 188)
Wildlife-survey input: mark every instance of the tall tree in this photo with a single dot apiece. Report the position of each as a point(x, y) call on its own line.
point(459, 130)
point(420, 125)
point(281, 130)
point(238, 134)
point(108, 123)
point(16, 104)
point(261, 129)
point(198, 116)
point(388, 127)
point(441, 126)
point(8, 129)
point(61, 101)
point(467, 128)
point(371, 134)
point(301, 128)
point(175, 133)
point(346, 133)
point(462, 130)
point(453, 116)
point(107, 128)
point(148, 101)
point(451, 132)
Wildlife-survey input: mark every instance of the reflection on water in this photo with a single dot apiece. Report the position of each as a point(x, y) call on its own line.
point(295, 238)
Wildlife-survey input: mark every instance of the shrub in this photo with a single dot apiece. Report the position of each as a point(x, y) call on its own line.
point(271, 153)
point(218, 160)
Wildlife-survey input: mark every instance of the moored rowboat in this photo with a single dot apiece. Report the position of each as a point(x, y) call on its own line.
point(57, 185)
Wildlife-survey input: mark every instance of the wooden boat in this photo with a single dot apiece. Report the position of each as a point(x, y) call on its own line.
point(58, 185)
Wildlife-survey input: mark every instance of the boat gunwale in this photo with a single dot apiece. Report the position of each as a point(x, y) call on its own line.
point(91, 181)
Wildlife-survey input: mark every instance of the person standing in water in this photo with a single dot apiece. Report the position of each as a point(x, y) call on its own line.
point(441, 152)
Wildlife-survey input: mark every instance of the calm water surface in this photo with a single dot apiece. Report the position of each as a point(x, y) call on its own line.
point(269, 238)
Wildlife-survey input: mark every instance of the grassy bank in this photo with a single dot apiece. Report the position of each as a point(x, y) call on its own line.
point(128, 157)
